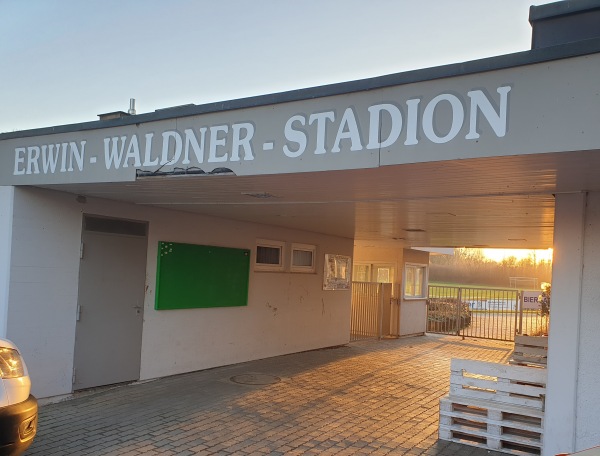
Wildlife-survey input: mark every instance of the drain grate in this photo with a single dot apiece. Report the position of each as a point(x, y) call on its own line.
point(255, 379)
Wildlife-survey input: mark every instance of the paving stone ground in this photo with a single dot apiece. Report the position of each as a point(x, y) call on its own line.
point(366, 398)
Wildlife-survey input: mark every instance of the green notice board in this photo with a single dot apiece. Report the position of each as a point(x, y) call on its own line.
point(191, 276)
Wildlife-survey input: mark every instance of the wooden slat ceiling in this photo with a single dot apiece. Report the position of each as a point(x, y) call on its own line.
point(497, 202)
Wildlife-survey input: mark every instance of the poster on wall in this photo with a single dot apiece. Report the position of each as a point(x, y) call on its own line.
point(337, 272)
point(190, 276)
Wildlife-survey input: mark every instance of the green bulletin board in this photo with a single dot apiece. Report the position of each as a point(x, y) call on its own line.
point(198, 276)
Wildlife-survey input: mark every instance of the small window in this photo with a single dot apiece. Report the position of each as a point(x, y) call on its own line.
point(415, 280)
point(269, 255)
point(303, 258)
point(361, 272)
point(371, 272)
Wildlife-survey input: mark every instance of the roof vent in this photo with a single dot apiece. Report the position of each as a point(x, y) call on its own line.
point(131, 111)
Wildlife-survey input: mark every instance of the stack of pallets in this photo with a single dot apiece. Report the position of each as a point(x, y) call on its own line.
point(494, 406)
point(530, 351)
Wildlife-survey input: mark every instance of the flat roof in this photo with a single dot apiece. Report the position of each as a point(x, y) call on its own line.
point(529, 57)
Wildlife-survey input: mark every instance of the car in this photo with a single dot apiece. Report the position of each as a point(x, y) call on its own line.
point(18, 408)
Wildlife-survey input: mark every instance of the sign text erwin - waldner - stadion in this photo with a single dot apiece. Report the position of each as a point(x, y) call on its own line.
point(346, 129)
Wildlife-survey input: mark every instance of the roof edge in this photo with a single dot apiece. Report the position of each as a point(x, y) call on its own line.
point(561, 8)
point(529, 57)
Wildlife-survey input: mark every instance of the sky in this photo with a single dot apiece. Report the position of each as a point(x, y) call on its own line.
point(66, 61)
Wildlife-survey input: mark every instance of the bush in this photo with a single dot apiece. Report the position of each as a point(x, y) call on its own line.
point(544, 299)
point(447, 315)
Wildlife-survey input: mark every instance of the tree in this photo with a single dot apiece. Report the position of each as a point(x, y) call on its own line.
point(544, 299)
point(472, 267)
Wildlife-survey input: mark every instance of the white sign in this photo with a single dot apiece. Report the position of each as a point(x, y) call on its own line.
point(531, 300)
point(337, 135)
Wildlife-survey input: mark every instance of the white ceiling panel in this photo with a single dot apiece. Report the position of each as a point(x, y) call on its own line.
point(496, 202)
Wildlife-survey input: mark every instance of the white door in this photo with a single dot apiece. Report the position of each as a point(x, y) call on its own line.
point(112, 278)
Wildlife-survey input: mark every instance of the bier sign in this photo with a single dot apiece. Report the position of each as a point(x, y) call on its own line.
point(531, 300)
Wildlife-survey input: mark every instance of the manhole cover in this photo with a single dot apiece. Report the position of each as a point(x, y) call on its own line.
point(255, 379)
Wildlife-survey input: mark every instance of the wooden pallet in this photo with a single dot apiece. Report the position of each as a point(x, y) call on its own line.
point(530, 351)
point(494, 406)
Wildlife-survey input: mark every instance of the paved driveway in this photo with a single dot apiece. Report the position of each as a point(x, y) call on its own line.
point(371, 397)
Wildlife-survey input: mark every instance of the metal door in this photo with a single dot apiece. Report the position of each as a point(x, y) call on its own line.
point(110, 305)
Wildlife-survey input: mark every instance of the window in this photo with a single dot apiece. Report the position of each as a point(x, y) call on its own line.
point(383, 274)
point(369, 272)
point(361, 273)
point(415, 280)
point(269, 255)
point(303, 258)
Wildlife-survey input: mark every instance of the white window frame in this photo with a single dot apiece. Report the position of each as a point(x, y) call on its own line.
point(355, 273)
point(270, 267)
point(425, 268)
point(372, 268)
point(306, 248)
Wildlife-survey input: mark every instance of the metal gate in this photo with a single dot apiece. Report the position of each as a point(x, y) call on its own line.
point(485, 313)
point(375, 313)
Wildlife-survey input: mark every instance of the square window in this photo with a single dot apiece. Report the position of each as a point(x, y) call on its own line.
point(269, 255)
point(303, 258)
point(415, 281)
point(361, 272)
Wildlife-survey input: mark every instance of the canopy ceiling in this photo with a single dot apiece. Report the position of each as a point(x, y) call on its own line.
point(504, 202)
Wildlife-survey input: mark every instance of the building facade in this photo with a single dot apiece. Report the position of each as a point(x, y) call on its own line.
point(141, 246)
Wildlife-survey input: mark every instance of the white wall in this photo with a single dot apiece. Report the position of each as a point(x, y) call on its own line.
point(413, 317)
point(286, 312)
point(380, 254)
point(6, 217)
point(588, 372)
point(573, 401)
point(413, 312)
point(43, 286)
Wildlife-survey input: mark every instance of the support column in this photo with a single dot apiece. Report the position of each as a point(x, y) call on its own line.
point(587, 429)
point(565, 322)
point(6, 222)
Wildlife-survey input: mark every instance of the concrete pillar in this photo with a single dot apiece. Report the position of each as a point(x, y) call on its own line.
point(565, 314)
point(6, 222)
point(573, 398)
point(587, 430)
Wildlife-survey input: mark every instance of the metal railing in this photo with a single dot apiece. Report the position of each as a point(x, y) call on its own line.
point(372, 310)
point(486, 313)
point(532, 323)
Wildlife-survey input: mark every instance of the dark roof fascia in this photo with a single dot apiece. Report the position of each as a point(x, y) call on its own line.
point(564, 51)
point(562, 8)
